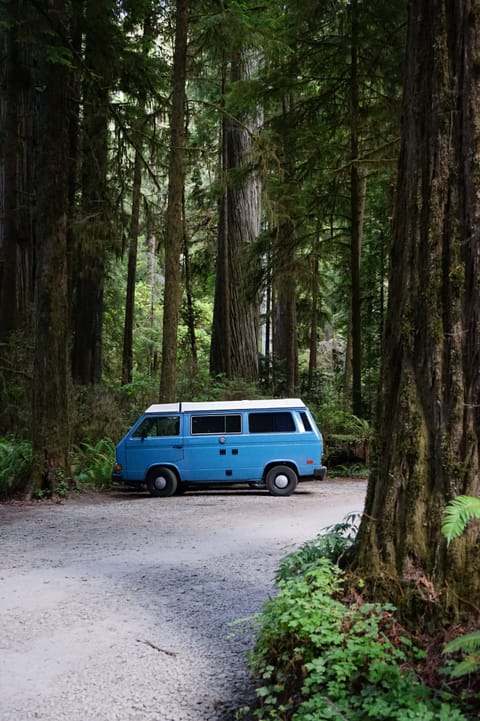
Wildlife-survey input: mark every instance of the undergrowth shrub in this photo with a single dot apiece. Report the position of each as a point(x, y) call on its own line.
point(334, 542)
point(460, 511)
point(15, 462)
point(92, 464)
point(321, 656)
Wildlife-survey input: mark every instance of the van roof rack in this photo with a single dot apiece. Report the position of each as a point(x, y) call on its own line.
point(241, 405)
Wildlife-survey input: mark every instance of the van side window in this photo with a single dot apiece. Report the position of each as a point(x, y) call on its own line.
point(159, 426)
point(281, 422)
point(216, 424)
point(306, 423)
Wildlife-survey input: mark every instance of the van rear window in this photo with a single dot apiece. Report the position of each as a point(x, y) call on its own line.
point(218, 424)
point(279, 422)
point(306, 423)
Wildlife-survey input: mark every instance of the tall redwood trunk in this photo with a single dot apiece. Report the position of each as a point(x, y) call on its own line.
point(285, 345)
point(127, 355)
point(17, 169)
point(354, 222)
point(429, 418)
point(174, 226)
point(50, 435)
point(92, 233)
point(234, 349)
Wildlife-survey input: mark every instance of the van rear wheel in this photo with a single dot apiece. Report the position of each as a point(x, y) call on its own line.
point(161, 482)
point(281, 480)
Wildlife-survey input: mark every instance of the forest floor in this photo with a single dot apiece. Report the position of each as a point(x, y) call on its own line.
point(119, 607)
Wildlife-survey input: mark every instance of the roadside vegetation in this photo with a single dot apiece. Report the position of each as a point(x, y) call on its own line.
point(323, 652)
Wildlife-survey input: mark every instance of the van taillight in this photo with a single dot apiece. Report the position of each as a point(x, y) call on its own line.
point(118, 466)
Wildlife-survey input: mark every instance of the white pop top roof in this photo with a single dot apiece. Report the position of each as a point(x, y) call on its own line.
point(226, 405)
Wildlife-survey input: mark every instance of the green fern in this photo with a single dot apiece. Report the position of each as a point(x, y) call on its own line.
point(468, 644)
point(92, 465)
point(458, 514)
point(15, 461)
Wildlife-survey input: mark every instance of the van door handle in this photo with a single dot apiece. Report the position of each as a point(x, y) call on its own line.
point(177, 446)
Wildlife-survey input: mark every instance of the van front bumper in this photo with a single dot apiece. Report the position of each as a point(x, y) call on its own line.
point(320, 473)
point(117, 476)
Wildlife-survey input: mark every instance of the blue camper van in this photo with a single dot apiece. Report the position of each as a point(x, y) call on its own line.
point(268, 444)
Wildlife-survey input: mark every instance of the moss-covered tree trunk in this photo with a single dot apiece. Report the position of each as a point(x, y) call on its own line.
point(127, 354)
point(429, 413)
point(50, 435)
point(284, 260)
point(174, 225)
point(234, 346)
point(92, 234)
point(18, 96)
point(285, 346)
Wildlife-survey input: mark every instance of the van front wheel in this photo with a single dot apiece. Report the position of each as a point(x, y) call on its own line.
point(281, 480)
point(161, 482)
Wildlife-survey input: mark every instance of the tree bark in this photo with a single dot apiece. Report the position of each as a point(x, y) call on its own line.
point(17, 168)
point(174, 216)
point(92, 236)
point(285, 347)
point(357, 204)
point(9, 187)
point(427, 448)
point(50, 438)
point(127, 355)
point(313, 354)
point(190, 309)
point(234, 345)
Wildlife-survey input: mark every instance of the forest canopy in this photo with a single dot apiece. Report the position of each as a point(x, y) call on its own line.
point(276, 212)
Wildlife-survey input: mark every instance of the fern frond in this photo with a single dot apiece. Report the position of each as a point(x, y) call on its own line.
point(458, 514)
point(470, 664)
point(468, 643)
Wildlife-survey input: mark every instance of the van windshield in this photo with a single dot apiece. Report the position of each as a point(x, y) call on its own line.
point(158, 426)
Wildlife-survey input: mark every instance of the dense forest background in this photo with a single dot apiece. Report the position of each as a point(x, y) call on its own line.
point(230, 199)
point(196, 202)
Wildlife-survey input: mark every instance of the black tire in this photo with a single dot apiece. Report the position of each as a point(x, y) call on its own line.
point(281, 480)
point(162, 482)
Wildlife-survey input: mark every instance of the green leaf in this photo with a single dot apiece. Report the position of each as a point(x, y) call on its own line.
point(458, 514)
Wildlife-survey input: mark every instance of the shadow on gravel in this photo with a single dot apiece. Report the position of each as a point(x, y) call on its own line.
point(133, 493)
point(203, 614)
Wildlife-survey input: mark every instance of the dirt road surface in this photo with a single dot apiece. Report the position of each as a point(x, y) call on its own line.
point(120, 607)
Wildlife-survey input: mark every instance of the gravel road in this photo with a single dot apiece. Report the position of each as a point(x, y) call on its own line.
point(119, 607)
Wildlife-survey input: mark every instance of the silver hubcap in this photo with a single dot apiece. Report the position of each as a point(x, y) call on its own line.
point(160, 483)
point(281, 481)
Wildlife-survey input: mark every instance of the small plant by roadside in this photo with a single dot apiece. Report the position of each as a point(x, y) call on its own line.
point(323, 654)
point(354, 470)
point(319, 659)
point(15, 462)
point(457, 516)
point(92, 464)
point(334, 543)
